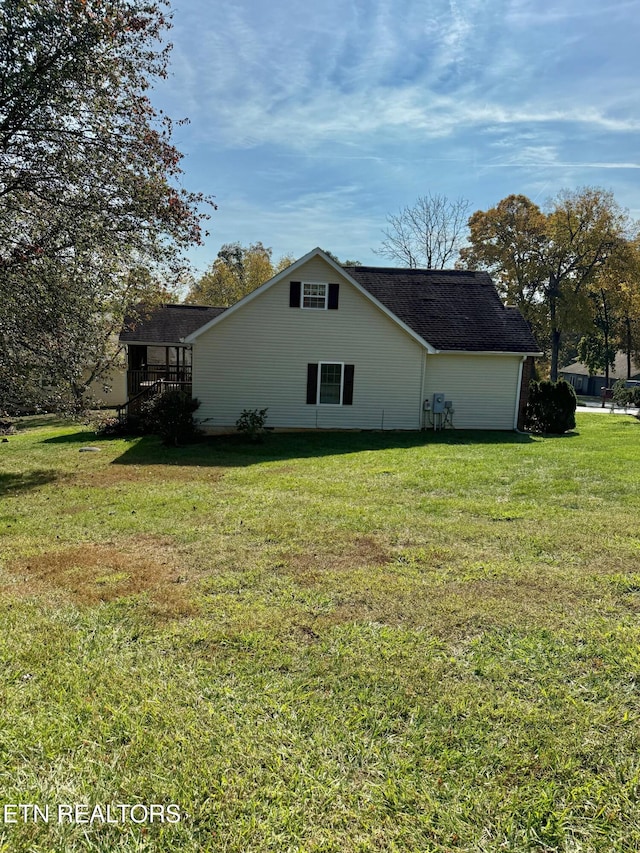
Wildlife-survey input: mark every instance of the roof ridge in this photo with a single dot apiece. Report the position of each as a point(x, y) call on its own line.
point(192, 305)
point(415, 270)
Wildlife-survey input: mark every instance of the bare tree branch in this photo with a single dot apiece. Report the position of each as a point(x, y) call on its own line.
point(430, 234)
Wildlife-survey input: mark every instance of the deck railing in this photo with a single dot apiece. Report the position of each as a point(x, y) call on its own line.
point(138, 380)
point(147, 390)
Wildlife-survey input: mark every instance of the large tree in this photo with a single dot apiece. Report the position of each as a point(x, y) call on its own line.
point(236, 271)
point(428, 234)
point(628, 300)
point(88, 186)
point(615, 296)
point(548, 261)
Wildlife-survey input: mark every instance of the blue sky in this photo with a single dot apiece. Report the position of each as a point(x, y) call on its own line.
point(311, 122)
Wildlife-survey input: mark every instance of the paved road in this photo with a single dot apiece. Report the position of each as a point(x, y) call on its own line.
point(596, 407)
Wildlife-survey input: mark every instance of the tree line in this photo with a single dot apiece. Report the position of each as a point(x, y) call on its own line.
point(94, 222)
point(573, 268)
point(238, 270)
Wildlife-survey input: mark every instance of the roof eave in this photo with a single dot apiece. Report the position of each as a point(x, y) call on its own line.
point(138, 343)
point(519, 353)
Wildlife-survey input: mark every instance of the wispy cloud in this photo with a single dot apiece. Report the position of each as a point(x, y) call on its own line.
point(301, 113)
point(410, 111)
point(256, 79)
point(334, 220)
point(550, 13)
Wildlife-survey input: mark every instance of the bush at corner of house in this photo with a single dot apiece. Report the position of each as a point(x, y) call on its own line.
point(551, 407)
point(251, 423)
point(170, 416)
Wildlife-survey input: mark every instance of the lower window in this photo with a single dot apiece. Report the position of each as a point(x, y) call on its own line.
point(330, 383)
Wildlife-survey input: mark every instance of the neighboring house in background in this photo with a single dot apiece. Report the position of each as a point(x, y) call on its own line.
point(577, 374)
point(116, 382)
point(322, 346)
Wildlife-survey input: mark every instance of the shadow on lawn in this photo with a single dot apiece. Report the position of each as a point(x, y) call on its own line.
point(86, 436)
point(14, 484)
point(236, 451)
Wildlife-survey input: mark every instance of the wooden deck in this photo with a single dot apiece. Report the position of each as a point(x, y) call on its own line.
point(138, 380)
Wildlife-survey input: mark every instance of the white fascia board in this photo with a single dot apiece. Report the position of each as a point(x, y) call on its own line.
point(178, 343)
point(519, 353)
point(287, 273)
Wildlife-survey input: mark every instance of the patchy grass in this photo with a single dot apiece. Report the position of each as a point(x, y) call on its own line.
point(358, 642)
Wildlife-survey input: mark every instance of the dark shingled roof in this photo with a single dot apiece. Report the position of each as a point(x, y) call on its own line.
point(167, 324)
point(449, 309)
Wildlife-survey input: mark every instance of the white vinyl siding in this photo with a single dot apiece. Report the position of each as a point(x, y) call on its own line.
point(257, 357)
point(482, 388)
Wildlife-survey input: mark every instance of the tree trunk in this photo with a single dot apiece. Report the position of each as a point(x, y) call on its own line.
point(605, 314)
point(555, 349)
point(553, 295)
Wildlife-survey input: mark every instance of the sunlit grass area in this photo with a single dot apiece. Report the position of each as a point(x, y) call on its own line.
point(326, 642)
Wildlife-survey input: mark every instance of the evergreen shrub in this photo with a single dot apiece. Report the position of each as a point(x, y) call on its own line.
point(170, 416)
point(251, 423)
point(551, 407)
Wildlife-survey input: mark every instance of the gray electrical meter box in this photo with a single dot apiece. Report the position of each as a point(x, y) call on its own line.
point(438, 404)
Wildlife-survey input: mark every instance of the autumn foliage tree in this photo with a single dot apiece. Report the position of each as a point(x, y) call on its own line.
point(236, 271)
point(546, 262)
point(89, 187)
point(620, 292)
point(614, 297)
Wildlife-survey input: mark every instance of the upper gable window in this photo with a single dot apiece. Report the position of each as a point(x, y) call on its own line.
point(314, 295)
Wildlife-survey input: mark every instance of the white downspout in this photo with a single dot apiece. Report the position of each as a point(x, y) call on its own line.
point(423, 371)
point(518, 390)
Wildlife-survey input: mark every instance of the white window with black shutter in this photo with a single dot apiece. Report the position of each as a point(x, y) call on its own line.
point(330, 383)
point(314, 295)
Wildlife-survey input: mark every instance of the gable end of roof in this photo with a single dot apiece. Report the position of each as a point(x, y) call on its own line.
point(443, 310)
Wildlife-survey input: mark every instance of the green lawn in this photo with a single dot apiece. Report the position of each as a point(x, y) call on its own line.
point(328, 642)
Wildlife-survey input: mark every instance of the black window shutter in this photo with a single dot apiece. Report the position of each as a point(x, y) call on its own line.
point(334, 289)
point(347, 385)
point(294, 294)
point(312, 384)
